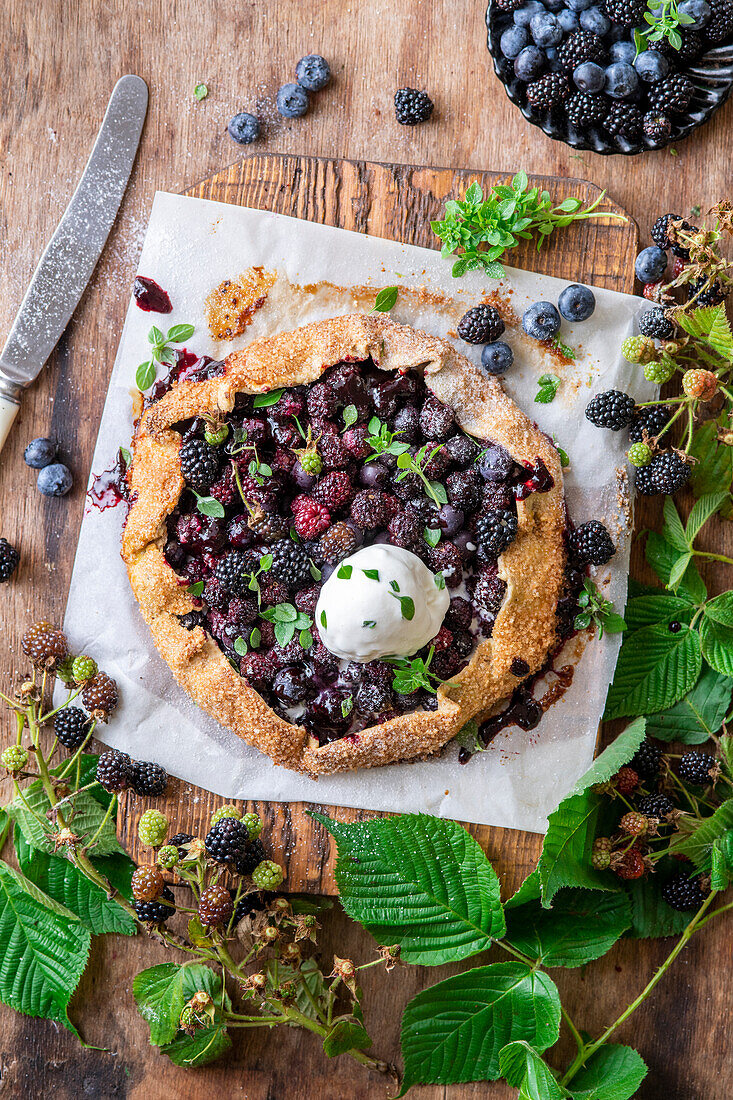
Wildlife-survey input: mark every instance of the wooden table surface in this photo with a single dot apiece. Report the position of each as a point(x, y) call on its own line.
point(58, 62)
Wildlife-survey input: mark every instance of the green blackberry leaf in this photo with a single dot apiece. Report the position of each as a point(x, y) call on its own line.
point(651, 917)
point(525, 1069)
point(87, 773)
point(655, 668)
point(710, 322)
point(581, 926)
point(720, 608)
point(62, 881)
point(695, 838)
point(717, 644)
point(713, 471)
point(209, 1043)
point(346, 1034)
point(647, 610)
point(418, 881)
point(672, 529)
point(661, 556)
point(697, 716)
point(30, 813)
point(613, 1073)
point(721, 861)
point(455, 1030)
point(158, 993)
point(528, 891)
point(701, 512)
point(44, 948)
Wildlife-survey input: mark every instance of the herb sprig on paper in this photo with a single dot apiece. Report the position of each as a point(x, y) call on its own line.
point(161, 352)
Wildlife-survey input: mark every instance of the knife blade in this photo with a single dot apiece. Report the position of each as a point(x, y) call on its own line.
point(71, 255)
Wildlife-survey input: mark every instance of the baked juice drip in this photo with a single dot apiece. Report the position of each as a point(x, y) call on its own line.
point(149, 296)
point(110, 488)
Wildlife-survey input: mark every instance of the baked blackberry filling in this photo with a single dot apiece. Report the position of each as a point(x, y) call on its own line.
point(293, 482)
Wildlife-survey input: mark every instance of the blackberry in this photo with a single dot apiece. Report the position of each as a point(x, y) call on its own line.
point(656, 127)
point(585, 109)
point(463, 489)
point(578, 47)
point(447, 559)
point(268, 875)
point(481, 325)
point(199, 464)
point(311, 519)
point(591, 544)
point(227, 841)
point(371, 700)
point(627, 13)
point(253, 853)
point(549, 91)
point(666, 473)
point(713, 296)
point(611, 409)
point(14, 758)
point(496, 530)
point(290, 564)
point(334, 490)
point(229, 570)
point(436, 420)
point(268, 526)
point(647, 760)
point(639, 454)
point(630, 865)
point(671, 95)
point(508, 5)
point(638, 349)
point(215, 905)
point(659, 230)
point(147, 883)
point(462, 449)
point(253, 825)
point(626, 780)
point(156, 912)
point(9, 558)
point(489, 592)
point(656, 805)
point(71, 726)
point(623, 120)
point(633, 823)
point(369, 509)
point(113, 770)
point(695, 767)
point(412, 106)
point(406, 531)
point(100, 696)
point(601, 855)
point(683, 893)
point(181, 841)
point(650, 420)
point(44, 645)
point(167, 857)
point(656, 324)
point(250, 903)
point(720, 25)
point(147, 778)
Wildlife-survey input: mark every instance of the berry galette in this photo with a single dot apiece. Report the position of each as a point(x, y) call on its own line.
point(347, 542)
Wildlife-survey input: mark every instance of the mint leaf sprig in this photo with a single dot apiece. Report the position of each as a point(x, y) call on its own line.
point(386, 300)
point(663, 18)
point(435, 490)
point(161, 352)
point(383, 441)
point(287, 620)
point(597, 610)
point(253, 578)
point(411, 674)
point(482, 229)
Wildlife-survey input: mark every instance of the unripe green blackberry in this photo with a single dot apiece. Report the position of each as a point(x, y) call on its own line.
point(253, 824)
point(639, 454)
point(660, 372)
point(310, 460)
point(224, 811)
point(633, 824)
point(152, 828)
point(64, 670)
point(267, 875)
point(168, 856)
point(601, 856)
point(638, 349)
point(14, 758)
point(83, 668)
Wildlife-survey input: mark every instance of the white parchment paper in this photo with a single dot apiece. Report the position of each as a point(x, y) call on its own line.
point(192, 245)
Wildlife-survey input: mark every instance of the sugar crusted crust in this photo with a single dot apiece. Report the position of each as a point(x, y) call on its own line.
point(532, 566)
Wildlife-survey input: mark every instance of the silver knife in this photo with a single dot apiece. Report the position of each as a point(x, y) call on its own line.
point(71, 255)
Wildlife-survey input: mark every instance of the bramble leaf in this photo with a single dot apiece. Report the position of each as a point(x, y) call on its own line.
point(655, 668)
point(158, 993)
point(209, 1043)
point(525, 1069)
point(717, 644)
point(698, 715)
point(29, 814)
point(579, 927)
point(613, 1073)
point(661, 556)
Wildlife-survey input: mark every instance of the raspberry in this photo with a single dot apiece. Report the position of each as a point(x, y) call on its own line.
point(666, 473)
point(481, 325)
point(9, 558)
point(696, 768)
point(405, 530)
point(639, 454)
point(638, 349)
point(14, 758)
point(158, 911)
point(152, 828)
point(601, 856)
point(252, 854)
point(113, 770)
point(227, 840)
point(253, 825)
point(656, 805)
point(199, 464)
point(225, 811)
point(659, 372)
point(495, 531)
point(311, 519)
point(611, 409)
point(334, 490)
point(656, 325)
point(412, 106)
point(647, 760)
point(215, 905)
point(700, 384)
point(649, 420)
point(72, 727)
point(630, 865)
point(100, 696)
point(336, 544)
point(147, 778)
point(147, 884)
point(634, 824)
point(591, 544)
point(267, 875)
point(683, 893)
point(369, 509)
point(83, 668)
point(290, 564)
point(168, 856)
point(44, 645)
point(436, 420)
point(626, 780)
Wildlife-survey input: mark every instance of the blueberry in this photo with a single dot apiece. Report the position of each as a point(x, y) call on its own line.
point(313, 72)
point(593, 19)
point(623, 51)
point(495, 464)
point(651, 263)
point(545, 29)
point(529, 64)
point(541, 321)
point(554, 5)
point(292, 101)
point(551, 55)
point(513, 41)
point(589, 77)
point(652, 66)
point(698, 10)
point(39, 453)
point(523, 15)
point(621, 80)
point(497, 358)
point(576, 302)
point(244, 128)
point(54, 480)
point(568, 20)
point(578, 5)
point(451, 520)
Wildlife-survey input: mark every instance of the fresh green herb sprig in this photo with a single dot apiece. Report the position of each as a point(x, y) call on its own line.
point(386, 300)
point(597, 610)
point(663, 18)
point(548, 385)
point(200, 92)
point(435, 490)
point(482, 229)
point(287, 620)
point(411, 674)
point(253, 578)
point(161, 352)
point(383, 441)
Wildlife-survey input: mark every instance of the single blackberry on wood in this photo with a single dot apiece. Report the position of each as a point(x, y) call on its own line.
point(215, 905)
point(100, 696)
point(412, 106)
point(156, 912)
point(585, 109)
point(199, 464)
point(611, 409)
point(113, 770)
point(9, 558)
point(71, 726)
point(650, 420)
point(481, 325)
point(655, 324)
point(683, 893)
point(549, 91)
point(628, 13)
point(696, 767)
point(227, 841)
point(290, 564)
point(623, 120)
point(671, 95)
point(147, 778)
point(647, 760)
point(578, 47)
point(44, 645)
point(591, 544)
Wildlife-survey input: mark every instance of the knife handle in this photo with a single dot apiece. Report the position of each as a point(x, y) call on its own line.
point(8, 412)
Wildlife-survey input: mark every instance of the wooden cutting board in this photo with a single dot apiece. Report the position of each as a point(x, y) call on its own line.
point(397, 202)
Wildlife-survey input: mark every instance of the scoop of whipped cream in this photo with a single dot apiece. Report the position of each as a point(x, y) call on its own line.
point(378, 602)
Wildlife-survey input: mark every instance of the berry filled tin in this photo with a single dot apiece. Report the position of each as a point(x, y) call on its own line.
point(710, 74)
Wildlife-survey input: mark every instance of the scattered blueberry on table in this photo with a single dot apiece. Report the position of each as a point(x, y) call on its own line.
point(40, 452)
point(244, 128)
point(54, 480)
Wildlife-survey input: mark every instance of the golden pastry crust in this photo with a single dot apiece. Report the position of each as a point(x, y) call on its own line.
point(532, 567)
